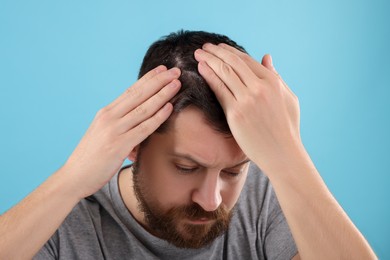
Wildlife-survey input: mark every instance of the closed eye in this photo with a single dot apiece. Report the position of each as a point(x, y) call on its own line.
point(232, 174)
point(183, 169)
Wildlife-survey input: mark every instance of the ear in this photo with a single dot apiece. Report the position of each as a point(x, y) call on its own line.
point(133, 154)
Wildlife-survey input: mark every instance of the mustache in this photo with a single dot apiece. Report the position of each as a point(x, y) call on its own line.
point(195, 211)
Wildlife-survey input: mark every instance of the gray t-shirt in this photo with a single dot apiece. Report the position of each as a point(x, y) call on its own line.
point(101, 227)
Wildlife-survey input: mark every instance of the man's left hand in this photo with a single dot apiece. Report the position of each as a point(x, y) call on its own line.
point(262, 112)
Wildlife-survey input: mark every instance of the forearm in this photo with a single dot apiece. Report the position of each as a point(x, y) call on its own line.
point(320, 227)
point(26, 227)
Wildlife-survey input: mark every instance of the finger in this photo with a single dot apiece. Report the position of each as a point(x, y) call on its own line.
point(263, 70)
point(222, 92)
point(243, 71)
point(260, 70)
point(140, 93)
point(150, 74)
point(224, 72)
point(149, 107)
point(267, 62)
point(147, 127)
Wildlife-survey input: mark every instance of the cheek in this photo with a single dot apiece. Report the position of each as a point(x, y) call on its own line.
point(164, 185)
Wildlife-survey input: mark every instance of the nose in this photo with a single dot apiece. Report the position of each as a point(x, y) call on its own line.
point(208, 194)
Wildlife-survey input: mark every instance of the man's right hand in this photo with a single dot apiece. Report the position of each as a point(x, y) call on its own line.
point(119, 127)
point(113, 134)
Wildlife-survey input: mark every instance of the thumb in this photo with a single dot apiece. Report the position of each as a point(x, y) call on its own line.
point(267, 62)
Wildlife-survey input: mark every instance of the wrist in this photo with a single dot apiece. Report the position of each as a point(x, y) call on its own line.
point(69, 184)
point(289, 158)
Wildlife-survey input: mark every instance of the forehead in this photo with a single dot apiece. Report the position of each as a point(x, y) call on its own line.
point(189, 133)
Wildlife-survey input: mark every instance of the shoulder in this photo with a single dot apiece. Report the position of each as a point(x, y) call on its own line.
point(258, 223)
point(257, 191)
point(81, 231)
point(258, 203)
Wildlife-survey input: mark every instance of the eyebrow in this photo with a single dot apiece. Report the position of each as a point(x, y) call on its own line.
point(204, 165)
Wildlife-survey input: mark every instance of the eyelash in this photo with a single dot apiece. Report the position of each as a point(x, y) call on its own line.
point(184, 170)
point(232, 174)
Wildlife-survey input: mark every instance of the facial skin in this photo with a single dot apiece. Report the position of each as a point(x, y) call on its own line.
point(186, 181)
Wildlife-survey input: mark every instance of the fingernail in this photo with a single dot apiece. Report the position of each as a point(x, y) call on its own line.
point(199, 51)
point(175, 71)
point(166, 107)
point(270, 58)
point(174, 84)
point(206, 45)
point(160, 68)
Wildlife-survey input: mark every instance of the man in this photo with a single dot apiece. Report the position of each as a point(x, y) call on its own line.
point(200, 119)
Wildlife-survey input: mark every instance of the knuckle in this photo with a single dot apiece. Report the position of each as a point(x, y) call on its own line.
point(135, 92)
point(101, 111)
point(226, 68)
point(160, 117)
point(156, 120)
point(103, 114)
point(258, 90)
point(220, 85)
point(252, 101)
point(279, 86)
point(275, 80)
point(245, 57)
point(257, 86)
point(144, 128)
point(159, 80)
point(212, 76)
point(141, 110)
point(208, 72)
point(162, 95)
point(162, 77)
point(159, 77)
point(235, 59)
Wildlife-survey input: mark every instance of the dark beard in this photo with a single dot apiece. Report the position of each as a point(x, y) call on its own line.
point(165, 224)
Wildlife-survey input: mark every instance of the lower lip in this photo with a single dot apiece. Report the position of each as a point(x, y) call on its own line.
point(200, 221)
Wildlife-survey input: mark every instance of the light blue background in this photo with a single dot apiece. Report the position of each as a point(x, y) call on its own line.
point(61, 61)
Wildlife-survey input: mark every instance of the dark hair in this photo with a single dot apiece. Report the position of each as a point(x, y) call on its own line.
point(177, 50)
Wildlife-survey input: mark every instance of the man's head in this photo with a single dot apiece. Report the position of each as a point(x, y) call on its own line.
point(177, 50)
point(188, 175)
